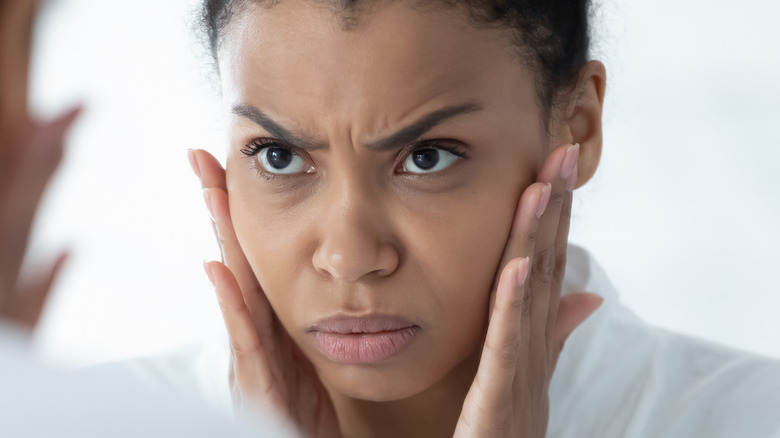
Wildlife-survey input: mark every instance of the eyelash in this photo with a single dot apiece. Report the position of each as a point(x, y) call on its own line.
point(258, 144)
point(254, 147)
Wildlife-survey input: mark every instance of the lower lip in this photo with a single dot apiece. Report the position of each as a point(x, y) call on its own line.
point(363, 348)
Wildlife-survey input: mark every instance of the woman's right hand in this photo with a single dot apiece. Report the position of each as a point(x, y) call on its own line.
point(267, 370)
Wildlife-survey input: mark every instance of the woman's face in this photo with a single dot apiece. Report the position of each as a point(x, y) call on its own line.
point(373, 175)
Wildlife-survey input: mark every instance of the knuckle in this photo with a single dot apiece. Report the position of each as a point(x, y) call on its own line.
point(507, 354)
point(517, 303)
point(532, 236)
point(242, 353)
point(525, 306)
point(556, 199)
point(544, 265)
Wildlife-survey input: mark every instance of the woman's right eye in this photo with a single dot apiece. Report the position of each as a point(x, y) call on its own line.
point(277, 159)
point(281, 161)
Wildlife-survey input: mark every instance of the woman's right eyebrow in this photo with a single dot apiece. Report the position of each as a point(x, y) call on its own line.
point(275, 129)
point(401, 138)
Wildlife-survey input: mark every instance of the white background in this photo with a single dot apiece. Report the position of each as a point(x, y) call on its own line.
point(683, 213)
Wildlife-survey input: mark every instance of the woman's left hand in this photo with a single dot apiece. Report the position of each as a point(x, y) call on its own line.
point(529, 319)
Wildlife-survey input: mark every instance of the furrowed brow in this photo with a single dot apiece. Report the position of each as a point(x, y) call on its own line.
point(422, 125)
point(401, 138)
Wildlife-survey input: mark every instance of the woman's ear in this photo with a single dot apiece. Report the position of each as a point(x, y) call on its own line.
point(583, 118)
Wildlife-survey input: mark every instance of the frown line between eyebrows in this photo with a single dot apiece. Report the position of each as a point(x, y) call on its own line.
point(399, 139)
point(421, 126)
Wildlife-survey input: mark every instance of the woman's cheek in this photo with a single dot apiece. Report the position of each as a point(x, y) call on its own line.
point(265, 232)
point(458, 242)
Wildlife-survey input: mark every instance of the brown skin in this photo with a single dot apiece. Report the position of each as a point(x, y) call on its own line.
point(29, 154)
point(355, 232)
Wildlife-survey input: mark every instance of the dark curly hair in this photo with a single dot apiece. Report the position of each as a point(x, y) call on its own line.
point(552, 36)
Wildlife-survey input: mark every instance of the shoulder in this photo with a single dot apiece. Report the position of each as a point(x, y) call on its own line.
point(714, 391)
point(195, 372)
point(40, 400)
point(620, 377)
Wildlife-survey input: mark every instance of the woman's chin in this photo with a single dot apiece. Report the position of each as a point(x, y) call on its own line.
point(403, 381)
point(375, 386)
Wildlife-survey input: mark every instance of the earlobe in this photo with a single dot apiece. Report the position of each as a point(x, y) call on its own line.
point(584, 118)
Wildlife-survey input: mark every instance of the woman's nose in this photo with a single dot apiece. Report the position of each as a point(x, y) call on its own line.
point(355, 241)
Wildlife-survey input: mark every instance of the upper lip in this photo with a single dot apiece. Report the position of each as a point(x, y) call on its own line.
point(373, 323)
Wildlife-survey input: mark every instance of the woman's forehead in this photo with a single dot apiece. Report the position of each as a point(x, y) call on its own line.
point(295, 60)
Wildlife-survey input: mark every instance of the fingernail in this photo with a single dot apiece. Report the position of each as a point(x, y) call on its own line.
point(544, 199)
point(209, 205)
point(570, 161)
point(522, 270)
point(193, 162)
point(207, 268)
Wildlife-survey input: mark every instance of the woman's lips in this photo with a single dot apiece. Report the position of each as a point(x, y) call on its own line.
point(362, 340)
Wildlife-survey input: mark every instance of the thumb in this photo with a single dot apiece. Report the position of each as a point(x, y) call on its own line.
point(573, 310)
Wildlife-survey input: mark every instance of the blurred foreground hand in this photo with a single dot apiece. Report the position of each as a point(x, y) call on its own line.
point(37, 400)
point(29, 154)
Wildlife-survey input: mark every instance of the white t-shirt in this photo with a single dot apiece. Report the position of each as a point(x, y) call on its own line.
point(620, 377)
point(617, 376)
point(37, 400)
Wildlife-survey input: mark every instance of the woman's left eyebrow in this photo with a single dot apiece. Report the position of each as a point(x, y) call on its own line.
point(424, 124)
point(397, 140)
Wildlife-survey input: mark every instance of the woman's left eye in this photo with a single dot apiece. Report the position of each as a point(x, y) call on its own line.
point(429, 160)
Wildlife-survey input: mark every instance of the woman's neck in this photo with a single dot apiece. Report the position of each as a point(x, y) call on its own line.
point(430, 414)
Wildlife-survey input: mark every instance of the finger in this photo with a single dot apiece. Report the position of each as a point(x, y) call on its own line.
point(25, 306)
point(251, 365)
point(212, 176)
point(498, 363)
point(234, 258)
point(15, 43)
point(523, 234)
point(561, 244)
point(573, 310)
point(33, 300)
point(207, 169)
point(41, 153)
point(521, 243)
point(569, 171)
point(549, 262)
point(34, 146)
point(25, 176)
point(33, 156)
